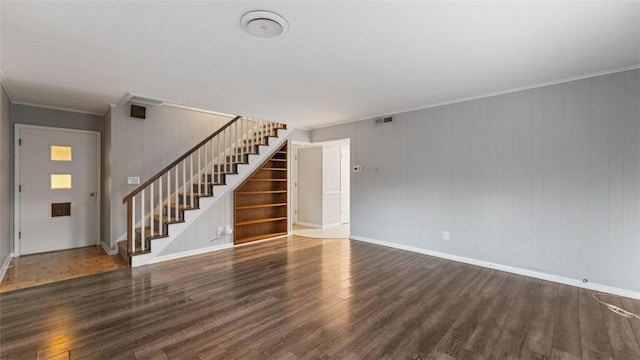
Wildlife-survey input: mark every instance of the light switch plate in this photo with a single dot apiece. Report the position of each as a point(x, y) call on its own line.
point(133, 180)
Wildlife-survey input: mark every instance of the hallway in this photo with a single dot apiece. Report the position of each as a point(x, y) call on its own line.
point(32, 270)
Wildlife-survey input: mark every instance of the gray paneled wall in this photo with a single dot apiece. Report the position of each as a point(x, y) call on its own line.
point(6, 180)
point(32, 115)
point(202, 232)
point(546, 179)
point(144, 147)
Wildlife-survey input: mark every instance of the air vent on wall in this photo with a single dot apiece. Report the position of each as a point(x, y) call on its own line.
point(383, 121)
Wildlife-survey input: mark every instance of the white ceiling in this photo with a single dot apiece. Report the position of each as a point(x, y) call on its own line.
point(340, 61)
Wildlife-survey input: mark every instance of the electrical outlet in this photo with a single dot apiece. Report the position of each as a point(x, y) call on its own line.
point(219, 231)
point(445, 235)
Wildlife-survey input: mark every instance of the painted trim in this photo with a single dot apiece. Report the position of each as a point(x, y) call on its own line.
point(16, 179)
point(154, 101)
point(108, 250)
point(5, 266)
point(309, 224)
point(4, 84)
point(179, 255)
point(328, 226)
point(482, 96)
point(57, 108)
point(506, 268)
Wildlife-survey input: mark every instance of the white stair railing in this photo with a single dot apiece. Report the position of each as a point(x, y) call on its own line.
point(162, 199)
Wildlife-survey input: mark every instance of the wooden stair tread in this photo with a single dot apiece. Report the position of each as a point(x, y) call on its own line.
point(147, 232)
point(167, 220)
point(267, 179)
point(183, 207)
point(123, 245)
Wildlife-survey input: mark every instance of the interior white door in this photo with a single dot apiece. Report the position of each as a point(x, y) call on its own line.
point(59, 188)
point(294, 190)
point(345, 183)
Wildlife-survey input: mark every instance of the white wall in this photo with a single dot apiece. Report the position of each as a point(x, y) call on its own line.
point(6, 180)
point(202, 232)
point(545, 179)
point(144, 147)
point(310, 185)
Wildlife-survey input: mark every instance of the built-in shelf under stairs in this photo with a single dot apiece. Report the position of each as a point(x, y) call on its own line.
point(181, 187)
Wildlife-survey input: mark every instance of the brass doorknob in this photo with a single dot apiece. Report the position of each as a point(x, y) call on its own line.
point(92, 194)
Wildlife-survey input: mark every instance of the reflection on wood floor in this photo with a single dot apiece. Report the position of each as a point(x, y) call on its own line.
point(31, 270)
point(302, 298)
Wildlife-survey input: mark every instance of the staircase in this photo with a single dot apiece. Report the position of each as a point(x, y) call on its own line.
point(157, 207)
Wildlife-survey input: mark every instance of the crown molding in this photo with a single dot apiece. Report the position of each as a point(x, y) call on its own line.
point(4, 85)
point(57, 108)
point(154, 101)
point(496, 93)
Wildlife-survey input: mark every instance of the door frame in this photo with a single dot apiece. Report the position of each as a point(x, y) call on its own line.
point(16, 179)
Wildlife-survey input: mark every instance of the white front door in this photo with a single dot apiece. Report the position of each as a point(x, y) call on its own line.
point(58, 192)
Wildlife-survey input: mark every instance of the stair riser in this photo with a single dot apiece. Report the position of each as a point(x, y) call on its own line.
point(218, 179)
point(203, 188)
point(187, 200)
point(238, 159)
point(228, 169)
point(172, 212)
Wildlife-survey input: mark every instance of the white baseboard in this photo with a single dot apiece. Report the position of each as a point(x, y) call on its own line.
point(5, 266)
point(308, 224)
point(158, 259)
point(328, 226)
point(108, 250)
point(506, 268)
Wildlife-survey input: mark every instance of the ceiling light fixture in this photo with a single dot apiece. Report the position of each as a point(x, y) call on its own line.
point(264, 24)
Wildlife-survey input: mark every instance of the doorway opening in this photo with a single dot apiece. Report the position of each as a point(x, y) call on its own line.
point(321, 188)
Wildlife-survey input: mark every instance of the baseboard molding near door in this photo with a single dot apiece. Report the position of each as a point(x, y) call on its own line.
point(179, 255)
point(108, 250)
point(510, 269)
point(5, 266)
point(308, 224)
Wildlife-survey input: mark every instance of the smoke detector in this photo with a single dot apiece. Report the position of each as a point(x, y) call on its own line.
point(264, 24)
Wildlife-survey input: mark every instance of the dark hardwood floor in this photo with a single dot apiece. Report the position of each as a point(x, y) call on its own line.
point(303, 298)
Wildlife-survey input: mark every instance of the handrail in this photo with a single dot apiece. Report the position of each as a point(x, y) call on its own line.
point(176, 162)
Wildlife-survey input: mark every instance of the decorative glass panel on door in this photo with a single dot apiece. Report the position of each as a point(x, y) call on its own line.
point(61, 153)
point(60, 181)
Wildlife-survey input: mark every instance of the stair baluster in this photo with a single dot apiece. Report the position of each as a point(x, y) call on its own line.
point(187, 182)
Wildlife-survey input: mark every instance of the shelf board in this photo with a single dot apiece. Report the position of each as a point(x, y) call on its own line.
point(267, 179)
point(261, 192)
point(259, 221)
point(273, 169)
point(260, 206)
point(259, 237)
point(277, 159)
